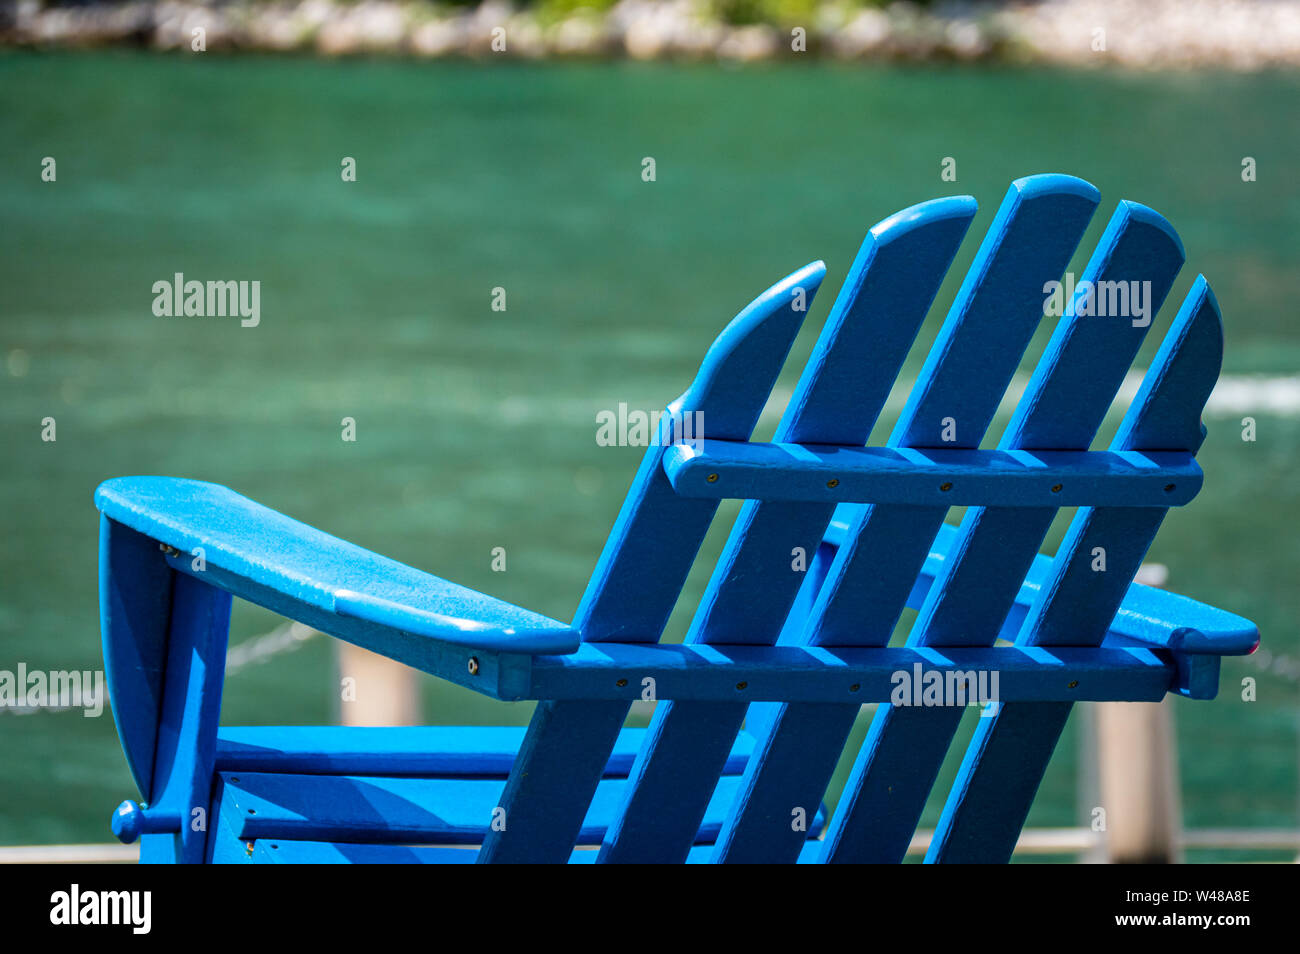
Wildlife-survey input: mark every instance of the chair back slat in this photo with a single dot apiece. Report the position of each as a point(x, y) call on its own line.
point(639, 577)
point(649, 552)
point(1065, 402)
point(994, 315)
point(1005, 761)
point(840, 394)
point(876, 315)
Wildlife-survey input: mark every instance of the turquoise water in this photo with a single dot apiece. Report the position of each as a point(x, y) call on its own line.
point(475, 428)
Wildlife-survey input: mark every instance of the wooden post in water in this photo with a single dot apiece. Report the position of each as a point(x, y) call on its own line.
point(1139, 782)
point(1088, 782)
point(375, 690)
point(1138, 772)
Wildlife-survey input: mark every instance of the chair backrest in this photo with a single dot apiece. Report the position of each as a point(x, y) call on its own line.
point(775, 581)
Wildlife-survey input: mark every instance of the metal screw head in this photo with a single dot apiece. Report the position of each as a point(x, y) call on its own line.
point(621, 683)
point(945, 487)
point(168, 549)
point(1056, 488)
point(473, 665)
point(833, 482)
point(1073, 685)
point(712, 478)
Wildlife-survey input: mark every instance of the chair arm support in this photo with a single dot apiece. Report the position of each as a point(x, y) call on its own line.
point(227, 539)
point(1148, 616)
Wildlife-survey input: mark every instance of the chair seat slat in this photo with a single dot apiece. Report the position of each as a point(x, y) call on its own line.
point(380, 809)
point(443, 751)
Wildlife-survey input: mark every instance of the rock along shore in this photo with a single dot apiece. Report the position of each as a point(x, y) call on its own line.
point(1146, 34)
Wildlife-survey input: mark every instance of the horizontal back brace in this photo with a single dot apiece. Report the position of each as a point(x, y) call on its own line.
point(769, 673)
point(927, 477)
point(814, 674)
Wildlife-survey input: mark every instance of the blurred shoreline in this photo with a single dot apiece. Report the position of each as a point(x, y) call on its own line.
point(1156, 34)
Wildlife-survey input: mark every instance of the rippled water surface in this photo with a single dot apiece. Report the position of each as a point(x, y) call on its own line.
point(476, 428)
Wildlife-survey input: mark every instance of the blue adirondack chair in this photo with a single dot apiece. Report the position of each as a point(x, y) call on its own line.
point(755, 707)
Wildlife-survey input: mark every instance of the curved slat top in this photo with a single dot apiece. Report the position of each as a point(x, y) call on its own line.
point(995, 313)
point(1088, 356)
point(653, 543)
point(984, 335)
point(885, 297)
point(896, 272)
point(258, 544)
point(1166, 411)
point(1077, 605)
point(740, 367)
point(881, 305)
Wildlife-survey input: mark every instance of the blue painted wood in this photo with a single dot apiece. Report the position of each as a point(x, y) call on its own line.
point(1148, 616)
point(131, 820)
point(1198, 675)
point(641, 572)
point(438, 750)
point(806, 647)
point(760, 715)
point(252, 542)
point(996, 311)
point(703, 673)
point(992, 553)
point(992, 318)
point(932, 478)
point(998, 301)
point(873, 322)
point(840, 394)
point(224, 846)
point(135, 590)
point(378, 809)
point(285, 851)
point(1062, 409)
point(496, 674)
point(553, 780)
point(187, 733)
point(1006, 759)
point(1037, 228)
point(657, 535)
point(786, 778)
point(1073, 385)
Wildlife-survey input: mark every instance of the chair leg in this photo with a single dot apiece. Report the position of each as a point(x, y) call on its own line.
point(198, 630)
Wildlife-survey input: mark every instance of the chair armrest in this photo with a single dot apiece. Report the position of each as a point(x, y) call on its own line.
point(1148, 616)
point(244, 541)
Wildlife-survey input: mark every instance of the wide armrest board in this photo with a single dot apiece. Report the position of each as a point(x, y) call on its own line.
point(255, 543)
point(1148, 616)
